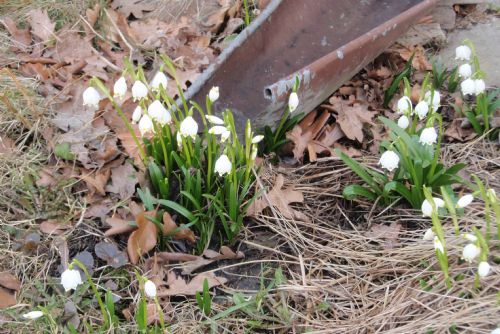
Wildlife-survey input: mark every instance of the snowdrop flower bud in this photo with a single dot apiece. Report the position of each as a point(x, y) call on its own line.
point(293, 102)
point(214, 120)
point(139, 91)
point(159, 80)
point(403, 122)
point(150, 289)
point(120, 88)
point(470, 237)
point(427, 207)
point(479, 86)
point(492, 195)
point(217, 130)
point(254, 153)
point(438, 245)
point(436, 99)
point(464, 201)
point(189, 127)
point(136, 115)
point(33, 315)
point(404, 105)
point(389, 160)
point(483, 269)
point(422, 109)
point(470, 252)
point(428, 136)
point(91, 97)
point(257, 139)
point(145, 125)
point(179, 140)
point(213, 95)
point(223, 165)
point(159, 113)
point(463, 52)
point(71, 279)
point(225, 136)
point(468, 87)
point(429, 235)
point(465, 71)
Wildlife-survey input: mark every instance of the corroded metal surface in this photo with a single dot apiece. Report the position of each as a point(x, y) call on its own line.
point(324, 42)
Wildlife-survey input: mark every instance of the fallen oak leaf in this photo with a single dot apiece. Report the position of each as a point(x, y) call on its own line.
point(41, 25)
point(178, 286)
point(118, 226)
point(21, 37)
point(53, 227)
point(182, 233)
point(280, 199)
point(389, 234)
point(110, 253)
point(134, 7)
point(7, 299)
point(144, 238)
point(9, 281)
point(123, 181)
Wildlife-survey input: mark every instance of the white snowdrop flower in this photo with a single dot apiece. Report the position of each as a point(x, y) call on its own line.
point(403, 122)
point(293, 102)
point(257, 139)
point(217, 130)
point(429, 235)
point(422, 109)
point(159, 113)
point(436, 99)
point(465, 71)
point(33, 315)
point(71, 279)
point(483, 269)
point(404, 105)
point(468, 87)
point(495, 331)
point(389, 160)
point(464, 201)
point(225, 136)
point(120, 88)
point(145, 125)
point(254, 153)
point(136, 115)
point(179, 140)
point(214, 120)
point(91, 97)
point(223, 165)
point(428, 136)
point(159, 80)
point(463, 52)
point(470, 237)
point(189, 127)
point(213, 95)
point(438, 245)
point(139, 90)
point(479, 86)
point(427, 207)
point(150, 289)
point(470, 252)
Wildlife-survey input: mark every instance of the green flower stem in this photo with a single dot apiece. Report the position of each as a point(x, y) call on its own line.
point(282, 123)
point(103, 88)
point(438, 147)
point(160, 314)
point(104, 311)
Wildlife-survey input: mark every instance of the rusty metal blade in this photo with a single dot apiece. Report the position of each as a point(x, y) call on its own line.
point(324, 42)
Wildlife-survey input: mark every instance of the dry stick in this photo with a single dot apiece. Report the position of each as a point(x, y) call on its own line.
point(120, 33)
point(16, 113)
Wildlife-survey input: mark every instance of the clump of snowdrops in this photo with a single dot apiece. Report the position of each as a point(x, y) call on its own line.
point(480, 107)
point(199, 168)
point(411, 158)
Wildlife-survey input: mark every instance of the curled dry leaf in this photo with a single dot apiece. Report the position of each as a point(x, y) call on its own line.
point(178, 286)
point(118, 226)
point(123, 181)
point(110, 253)
point(41, 25)
point(169, 226)
point(144, 238)
point(53, 227)
point(351, 116)
point(134, 7)
point(21, 37)
point(9, 281)
point(280, 199)
point(389, 234)
point(7, 298)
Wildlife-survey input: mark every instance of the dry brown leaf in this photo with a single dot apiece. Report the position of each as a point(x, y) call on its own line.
point(144, 238)
point(329, 136)
point(280, 199)
point(71, 47)
point(7, 145)
point(123, 181)
point(305, 132)
point(380, 73)
point(118, 226)
point(183, 234)
point(420, 61)
point(7, 298)
point(350, 151)
point(96, 183)
point(388, 233)
point(9, 281)
point(53, 227)
point(177, 286)
point(41, 25)
point(351, 117)
point(20, 37)
point(134, 7)
point(457, 131)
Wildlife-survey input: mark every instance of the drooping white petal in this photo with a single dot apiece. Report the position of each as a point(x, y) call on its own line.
point(91, 97)
point(159, 80)
point(71, 279)
point(146, 125)
point(159, 113)
point(483, 269)
point(428, 136)
point(429, 235)
point(136, 115)
point(422, 108)
point(464, 201)
point(470, 237)
point(293, 102)
point(389, 160)
point(404, 105)
point(465, 71)
point(427, 207)
point(479, 86)
point(214, 120)
point(257, 139)
point(33, 315)
point(189, 127)
point(463, 52)
point(470, 252)
point(120, 88)
point(217, 130)
point(213, 95)
point(468, 87)
point(139, 90)
point(403, 122)
point(438, 245)
point(223, 165)
point(150, 289)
